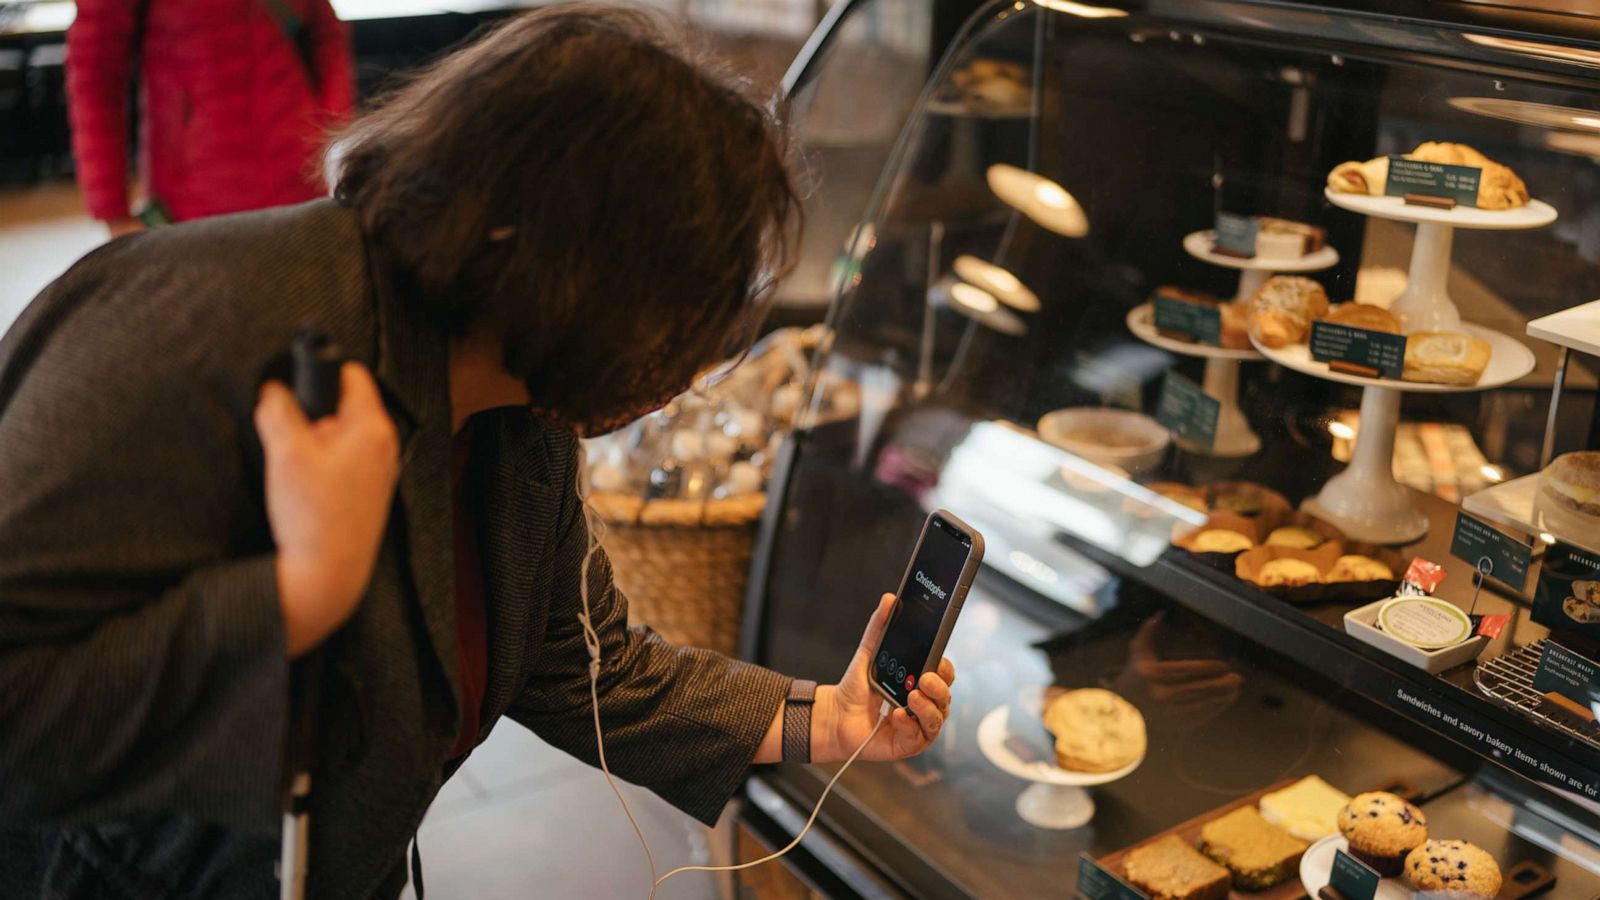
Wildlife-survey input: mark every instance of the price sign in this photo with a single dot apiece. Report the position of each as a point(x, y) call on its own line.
point(1200, 323)
point(1566, 673)
point(1361, 351)
point(1410, 176)
point(1187, 411)
point(1351, 878)
point(1236, 235)
point(1491, 551)
point(1096, 883)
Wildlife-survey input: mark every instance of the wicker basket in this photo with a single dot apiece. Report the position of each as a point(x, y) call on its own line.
point(682, 563)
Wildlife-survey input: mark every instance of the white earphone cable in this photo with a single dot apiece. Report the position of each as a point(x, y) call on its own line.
point(591, 640)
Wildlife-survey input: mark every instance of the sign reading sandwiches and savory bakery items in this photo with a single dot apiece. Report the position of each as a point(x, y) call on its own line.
point(1194, 321)
point(1568, 595)
point(1351, 879)
point(1431, 179)
point(1236, 235)
point(1358, 351)
point(1567, 675)
point(1492, 551)
point(1187, 411)
point(1095, 883)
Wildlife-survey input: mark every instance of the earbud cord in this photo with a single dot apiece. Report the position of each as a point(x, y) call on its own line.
point(591, 640)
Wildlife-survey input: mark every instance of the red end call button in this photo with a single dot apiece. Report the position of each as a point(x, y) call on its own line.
point(911, 681)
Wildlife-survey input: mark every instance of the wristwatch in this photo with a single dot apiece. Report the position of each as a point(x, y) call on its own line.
point(797, 721)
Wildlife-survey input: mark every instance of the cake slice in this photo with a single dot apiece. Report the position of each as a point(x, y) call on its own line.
point(1258, 853)
point(1170, 869)
point(1309, 808)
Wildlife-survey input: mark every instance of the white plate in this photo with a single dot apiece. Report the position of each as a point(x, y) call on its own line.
point(1508, 361)
point(1536, 214)
point(992, 734)
point(1198, 244)
point(1316, 867)
point(1142, 322)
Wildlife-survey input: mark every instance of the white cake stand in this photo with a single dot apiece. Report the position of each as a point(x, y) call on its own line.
point(1234, 437)
point(1254, 271)
point(1425, 304)
point(1365, 500)
point(1056, 799)
point(1316, 870)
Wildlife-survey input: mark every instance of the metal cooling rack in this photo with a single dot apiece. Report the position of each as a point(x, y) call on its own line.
point(1509, 679)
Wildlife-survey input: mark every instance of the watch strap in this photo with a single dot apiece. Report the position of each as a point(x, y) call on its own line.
point(797, 721)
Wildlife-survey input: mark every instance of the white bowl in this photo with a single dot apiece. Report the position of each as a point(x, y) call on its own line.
point(1139, 441)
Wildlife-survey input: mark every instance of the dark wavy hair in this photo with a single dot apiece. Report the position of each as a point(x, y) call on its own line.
point(583, 184)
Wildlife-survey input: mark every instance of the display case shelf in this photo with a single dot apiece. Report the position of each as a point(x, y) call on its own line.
point(1516, 503)
point(1577, 328)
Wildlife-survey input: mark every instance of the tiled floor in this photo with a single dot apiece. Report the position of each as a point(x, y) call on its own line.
point(520, 819)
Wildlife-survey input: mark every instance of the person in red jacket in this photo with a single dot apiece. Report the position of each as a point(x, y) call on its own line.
point(237, 97)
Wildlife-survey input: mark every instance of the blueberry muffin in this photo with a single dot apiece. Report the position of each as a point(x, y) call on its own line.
point(1382, 829)
point(1454, 867)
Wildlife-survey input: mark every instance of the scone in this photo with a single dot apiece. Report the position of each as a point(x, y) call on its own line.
point(1282, 311)
point(1258, 853)
point(1354, 567)
point(1295, 536)
point(1288, 573)
point(1445, 357)
point(1306, 809)
point(1096, 730)
point(1220, 540)
point(1453, 867)
point(1572, 480)
point(1498, 186)
point(1364, 315)
point(1170, 869)
point(1235, 326)
point(1382, 829)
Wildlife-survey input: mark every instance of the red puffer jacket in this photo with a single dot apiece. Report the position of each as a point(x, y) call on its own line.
point(231, 119)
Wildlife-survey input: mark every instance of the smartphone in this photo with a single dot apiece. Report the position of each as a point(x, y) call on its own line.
point(931, 593)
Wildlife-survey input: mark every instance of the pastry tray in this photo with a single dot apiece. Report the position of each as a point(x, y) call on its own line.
point(1189, 831)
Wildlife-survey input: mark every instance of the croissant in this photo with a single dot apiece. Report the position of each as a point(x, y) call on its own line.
point(1498, 186)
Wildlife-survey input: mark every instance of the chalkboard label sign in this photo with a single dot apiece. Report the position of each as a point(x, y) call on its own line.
point(1192, 320)
point(1352, 879)
point(1187, 411)
point(1410, 176)
point(1360, 351)
point(1236, 235)
point(1566, 673)
point(1491, 551)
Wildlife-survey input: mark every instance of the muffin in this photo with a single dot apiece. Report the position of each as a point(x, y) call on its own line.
point(1288, 572)
point(1454, 867)
point(1258, 853)
point(1296, 536)
point(1382, 829)
point(1354, 567)
point(1170, 869)
point(1220, 540)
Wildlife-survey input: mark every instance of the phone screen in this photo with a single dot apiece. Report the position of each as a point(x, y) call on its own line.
point(907, 642)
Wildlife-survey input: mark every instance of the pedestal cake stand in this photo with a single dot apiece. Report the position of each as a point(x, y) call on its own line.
point(1056, 799)
point(1365, 500)
point(1425, 304)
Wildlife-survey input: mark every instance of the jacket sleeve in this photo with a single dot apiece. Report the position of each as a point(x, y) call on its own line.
point(330, 47)
point(683, 722)
point(142, 659)
point(100, 55)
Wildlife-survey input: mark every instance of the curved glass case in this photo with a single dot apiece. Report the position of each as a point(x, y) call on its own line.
point(1065, 170)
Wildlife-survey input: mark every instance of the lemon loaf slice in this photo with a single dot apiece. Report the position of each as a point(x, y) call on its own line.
point(1307, 809)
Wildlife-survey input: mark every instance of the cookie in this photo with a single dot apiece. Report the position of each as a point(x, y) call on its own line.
point(1096, 730)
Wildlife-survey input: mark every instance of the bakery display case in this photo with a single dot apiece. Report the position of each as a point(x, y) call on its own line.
point(1258, 340)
